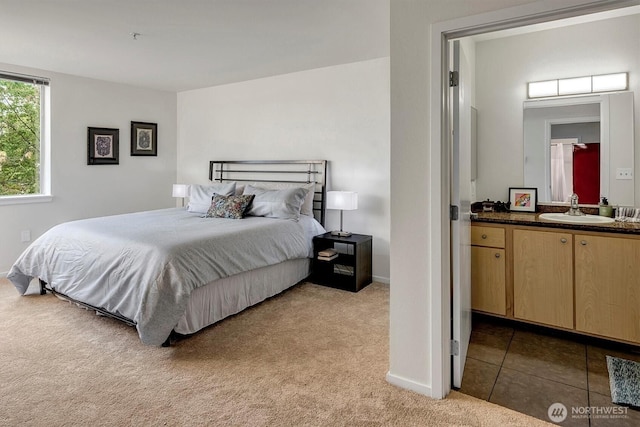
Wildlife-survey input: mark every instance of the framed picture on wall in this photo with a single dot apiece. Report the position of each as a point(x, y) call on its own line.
point(144, 139)
point(523, 199)
point(103, 146)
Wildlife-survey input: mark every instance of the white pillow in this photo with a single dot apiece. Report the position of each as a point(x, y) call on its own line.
point(284, 203)
point(200, 196)
point(307, 205)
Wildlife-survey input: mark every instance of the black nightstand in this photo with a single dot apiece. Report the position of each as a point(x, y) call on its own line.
point(351, 269)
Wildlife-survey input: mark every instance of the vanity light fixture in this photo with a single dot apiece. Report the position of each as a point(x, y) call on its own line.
point(543, 89)
point(578, 85)
point(608, 82)
point(574, 86)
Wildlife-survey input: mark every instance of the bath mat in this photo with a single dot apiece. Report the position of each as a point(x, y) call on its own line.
point(624, 381)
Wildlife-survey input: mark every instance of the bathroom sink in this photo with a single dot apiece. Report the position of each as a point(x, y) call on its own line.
point(582, 219)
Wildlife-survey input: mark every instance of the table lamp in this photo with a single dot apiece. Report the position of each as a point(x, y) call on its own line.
point(181, 190)
point(344, 201)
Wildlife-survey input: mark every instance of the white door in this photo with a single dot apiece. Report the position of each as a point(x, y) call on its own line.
point(460, 227)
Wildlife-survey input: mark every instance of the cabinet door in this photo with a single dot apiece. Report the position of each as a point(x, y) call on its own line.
point(488, 284)
point(543, 277)
point(608, 286)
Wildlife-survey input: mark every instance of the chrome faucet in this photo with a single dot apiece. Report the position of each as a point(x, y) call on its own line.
point(574, 210)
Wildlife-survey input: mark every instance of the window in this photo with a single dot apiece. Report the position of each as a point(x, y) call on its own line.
point(23, 138)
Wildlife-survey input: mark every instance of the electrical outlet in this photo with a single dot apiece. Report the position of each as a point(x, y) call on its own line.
point(624, 173)
point(25, 236)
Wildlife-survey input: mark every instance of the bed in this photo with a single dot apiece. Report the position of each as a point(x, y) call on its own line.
point(177, 270)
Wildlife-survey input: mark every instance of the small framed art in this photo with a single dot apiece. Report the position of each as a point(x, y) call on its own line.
point(103, 146)
point(144, 139)
point(523, 199)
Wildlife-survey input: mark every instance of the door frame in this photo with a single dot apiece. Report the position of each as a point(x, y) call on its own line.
point(439, 154)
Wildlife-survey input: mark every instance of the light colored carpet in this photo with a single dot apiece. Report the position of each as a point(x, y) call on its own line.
point(312, 356)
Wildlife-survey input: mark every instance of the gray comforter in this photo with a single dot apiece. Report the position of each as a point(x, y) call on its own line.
point(144, 265)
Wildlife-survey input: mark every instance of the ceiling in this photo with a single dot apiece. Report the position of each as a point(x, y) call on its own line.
point(190, 44)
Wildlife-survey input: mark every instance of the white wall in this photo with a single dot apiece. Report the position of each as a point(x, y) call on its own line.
point(505, 65)
point(339, 113)
point(82, 191)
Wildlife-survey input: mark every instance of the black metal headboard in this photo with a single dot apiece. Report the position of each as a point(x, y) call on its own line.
point(290, 171)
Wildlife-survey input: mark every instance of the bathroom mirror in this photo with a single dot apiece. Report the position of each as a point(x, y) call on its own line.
point(581, 144)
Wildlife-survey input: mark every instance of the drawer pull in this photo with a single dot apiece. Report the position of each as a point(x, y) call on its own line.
point(497, 255)
point(563, 240)
point(484, 236)
point(583, 242)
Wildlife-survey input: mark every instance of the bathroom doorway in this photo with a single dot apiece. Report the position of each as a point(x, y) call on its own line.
point(486, 28)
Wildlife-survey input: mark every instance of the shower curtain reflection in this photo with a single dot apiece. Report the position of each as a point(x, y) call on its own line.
point(562, 169)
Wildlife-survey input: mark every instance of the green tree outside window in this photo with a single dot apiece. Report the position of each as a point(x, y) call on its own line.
point(19, 138)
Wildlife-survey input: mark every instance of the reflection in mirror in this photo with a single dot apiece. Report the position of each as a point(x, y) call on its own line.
point(576, 145)
point(575, 162)
point(562, 168)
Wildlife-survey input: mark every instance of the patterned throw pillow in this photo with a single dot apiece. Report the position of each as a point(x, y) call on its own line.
point(229, 206)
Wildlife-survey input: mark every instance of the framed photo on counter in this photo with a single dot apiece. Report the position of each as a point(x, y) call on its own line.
point(523, 199)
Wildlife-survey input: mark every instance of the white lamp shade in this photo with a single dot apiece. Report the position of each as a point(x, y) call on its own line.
point(343, 200)
point(181, 190)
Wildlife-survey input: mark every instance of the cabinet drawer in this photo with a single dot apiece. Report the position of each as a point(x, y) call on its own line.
point(487, 236)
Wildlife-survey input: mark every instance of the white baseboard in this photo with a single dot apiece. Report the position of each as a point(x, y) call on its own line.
point(384, 280)
point(3, 274)
point(408, 384)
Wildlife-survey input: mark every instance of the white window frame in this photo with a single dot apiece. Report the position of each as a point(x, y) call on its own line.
point(44, 195)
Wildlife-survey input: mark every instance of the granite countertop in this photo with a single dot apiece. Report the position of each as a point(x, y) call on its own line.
point(532, 219)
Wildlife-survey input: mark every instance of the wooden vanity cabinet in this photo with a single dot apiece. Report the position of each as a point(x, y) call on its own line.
point(488, 270)
point(607, 286)
point(543, 277)
point(587, 282)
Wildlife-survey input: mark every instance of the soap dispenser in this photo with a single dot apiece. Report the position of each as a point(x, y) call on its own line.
point(604, 209)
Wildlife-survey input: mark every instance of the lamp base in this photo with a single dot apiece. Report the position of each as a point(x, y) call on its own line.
point(341, 233)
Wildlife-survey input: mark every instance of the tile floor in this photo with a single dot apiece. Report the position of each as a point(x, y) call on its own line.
point(528, 368)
